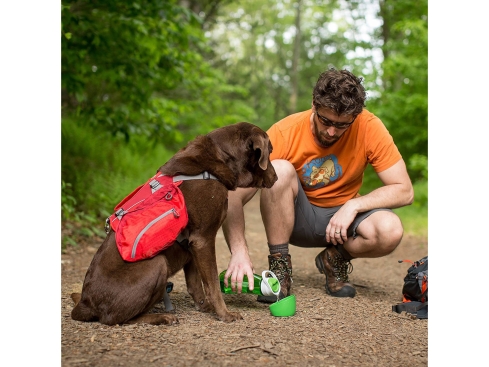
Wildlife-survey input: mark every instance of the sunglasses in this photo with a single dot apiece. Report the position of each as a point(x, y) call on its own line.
point(339, 125)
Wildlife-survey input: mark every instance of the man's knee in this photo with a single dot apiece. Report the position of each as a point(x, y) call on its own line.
point(383, 231)
point(287, 176)
point(390, 232)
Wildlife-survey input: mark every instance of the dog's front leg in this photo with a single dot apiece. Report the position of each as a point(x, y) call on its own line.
point(194, 287)
point(204, 255)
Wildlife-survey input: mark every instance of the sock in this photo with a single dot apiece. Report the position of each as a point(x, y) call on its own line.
point(282, 248)
point(346, 255)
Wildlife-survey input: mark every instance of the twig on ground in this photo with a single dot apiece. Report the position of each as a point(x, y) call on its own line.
point(245, 347)
point(156, 358)
point(269, 351)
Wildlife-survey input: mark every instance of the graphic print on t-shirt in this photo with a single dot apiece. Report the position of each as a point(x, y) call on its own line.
point(321, 171)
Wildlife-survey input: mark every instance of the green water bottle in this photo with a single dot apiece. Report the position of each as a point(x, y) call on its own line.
point(266, 285)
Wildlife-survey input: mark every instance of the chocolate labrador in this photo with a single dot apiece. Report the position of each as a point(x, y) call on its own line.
point(117, 292)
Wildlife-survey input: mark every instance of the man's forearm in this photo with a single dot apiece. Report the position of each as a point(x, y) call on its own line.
point(389, 196)
point(234, 224)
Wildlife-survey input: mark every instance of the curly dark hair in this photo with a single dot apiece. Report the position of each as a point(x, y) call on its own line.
point(340, 91)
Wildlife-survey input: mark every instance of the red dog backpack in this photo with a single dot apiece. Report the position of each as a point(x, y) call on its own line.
point(149, 219)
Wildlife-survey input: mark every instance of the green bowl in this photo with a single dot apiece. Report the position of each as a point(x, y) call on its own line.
point(284, 308)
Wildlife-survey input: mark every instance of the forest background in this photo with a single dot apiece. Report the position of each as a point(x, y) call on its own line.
point(142, 78)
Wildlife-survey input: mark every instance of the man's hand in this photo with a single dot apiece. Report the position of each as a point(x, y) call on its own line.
point(396, 192)
point(239, 265)
point(339, 223)
point(233, 229)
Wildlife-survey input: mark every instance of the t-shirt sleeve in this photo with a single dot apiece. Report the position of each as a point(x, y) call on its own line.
point(278, 143)
point(382, 153)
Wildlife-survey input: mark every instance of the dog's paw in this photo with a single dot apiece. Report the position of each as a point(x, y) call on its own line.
point(230, 317)
point(170, 320)
point(155, 319)
point(204, 306)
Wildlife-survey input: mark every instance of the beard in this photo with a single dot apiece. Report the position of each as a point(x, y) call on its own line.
point(324, 139)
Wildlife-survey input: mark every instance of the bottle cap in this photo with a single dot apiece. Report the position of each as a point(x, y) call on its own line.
point(270, 284)
point(274, 284)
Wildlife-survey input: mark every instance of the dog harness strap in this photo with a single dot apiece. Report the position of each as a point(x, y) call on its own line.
point(155, 185)
point(201, 176)
point(120, 213)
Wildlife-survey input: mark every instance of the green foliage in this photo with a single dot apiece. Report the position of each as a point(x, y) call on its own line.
point(98, 172)
point(136, 68)
point(403, 105)
point(102, 170)
point(253, 45)
point(419, 163)
point(415, 217)
point(77, 223)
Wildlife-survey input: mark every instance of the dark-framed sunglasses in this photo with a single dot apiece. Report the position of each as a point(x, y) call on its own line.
point(339, 125)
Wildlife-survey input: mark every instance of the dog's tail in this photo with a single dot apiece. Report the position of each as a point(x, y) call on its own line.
point(81, 312)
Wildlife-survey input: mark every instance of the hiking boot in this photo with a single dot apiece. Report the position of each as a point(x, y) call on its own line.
point(281, 266)
point(330, 263)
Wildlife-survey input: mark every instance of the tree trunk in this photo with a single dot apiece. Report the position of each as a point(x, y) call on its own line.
point(295, 60)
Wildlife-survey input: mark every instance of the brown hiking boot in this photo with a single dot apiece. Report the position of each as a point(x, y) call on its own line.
point(330, 263)
point(281, 266)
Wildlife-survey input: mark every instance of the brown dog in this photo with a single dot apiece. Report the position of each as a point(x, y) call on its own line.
point(117, 292)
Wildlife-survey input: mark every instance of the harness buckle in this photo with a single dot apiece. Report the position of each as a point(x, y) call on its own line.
point(155, 185)
point(119, 213)
point(107, 225)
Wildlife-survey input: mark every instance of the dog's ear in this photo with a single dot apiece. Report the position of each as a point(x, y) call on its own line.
point(260, 146)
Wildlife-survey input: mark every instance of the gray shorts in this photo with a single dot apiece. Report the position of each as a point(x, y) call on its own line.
point(311, 222)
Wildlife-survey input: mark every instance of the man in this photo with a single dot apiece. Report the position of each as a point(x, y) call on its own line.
point(320, 156)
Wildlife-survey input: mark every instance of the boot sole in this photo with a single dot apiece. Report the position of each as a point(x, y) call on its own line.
point(343, 292)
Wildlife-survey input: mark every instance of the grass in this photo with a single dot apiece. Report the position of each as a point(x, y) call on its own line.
point(98, 171)
point(415, 217)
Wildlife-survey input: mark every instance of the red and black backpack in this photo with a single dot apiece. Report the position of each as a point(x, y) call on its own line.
point(415, 289)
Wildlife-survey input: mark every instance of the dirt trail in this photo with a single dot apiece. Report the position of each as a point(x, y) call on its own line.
point(325, 331)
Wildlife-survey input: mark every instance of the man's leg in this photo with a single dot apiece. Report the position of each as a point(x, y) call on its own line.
point(377, 235)
point(277, 210)
point(372, 234)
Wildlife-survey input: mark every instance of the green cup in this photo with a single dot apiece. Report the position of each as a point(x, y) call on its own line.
point(284, 308)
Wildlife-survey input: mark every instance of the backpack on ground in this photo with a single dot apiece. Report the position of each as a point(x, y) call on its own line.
point(415, 289)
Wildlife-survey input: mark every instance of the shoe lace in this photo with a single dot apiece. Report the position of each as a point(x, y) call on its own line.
point(341, 268)
point(279, 267)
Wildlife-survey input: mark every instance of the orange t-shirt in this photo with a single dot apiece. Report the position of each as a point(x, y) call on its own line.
point(331, 176)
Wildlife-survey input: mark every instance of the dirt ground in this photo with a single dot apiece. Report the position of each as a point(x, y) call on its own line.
point(325, 331)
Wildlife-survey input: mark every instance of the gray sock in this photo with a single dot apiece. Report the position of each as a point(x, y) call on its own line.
point(282, 248)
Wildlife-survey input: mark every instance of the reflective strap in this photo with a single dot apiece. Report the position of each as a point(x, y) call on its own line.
point(201, 176)
point(148, 226)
